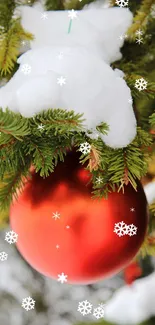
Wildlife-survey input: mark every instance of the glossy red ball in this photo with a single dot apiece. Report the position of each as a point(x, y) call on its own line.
point(61, 229)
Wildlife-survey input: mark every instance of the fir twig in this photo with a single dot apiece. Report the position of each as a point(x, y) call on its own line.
point(10, 44)
point(141, 19)
point(54, 4)
point(152, 121)
point(13, 184)
point(148, 247)
point(12, 126)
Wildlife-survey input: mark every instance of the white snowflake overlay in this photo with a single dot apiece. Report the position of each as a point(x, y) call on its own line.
point(85, 307)
point(72, 14)
point(41, 127)
point(99, 180)
point(98, 312)
point(61, 81)
point(62, 278)
point(122, 3)
point(56, 215)
point(85, 148)
point(141, 84)
point(139, 39)
point(121, 229)
point(26, 68)
point(3, 256)
point(11, 237)
point(44, 15)
point(132, 230)
point(28, 303)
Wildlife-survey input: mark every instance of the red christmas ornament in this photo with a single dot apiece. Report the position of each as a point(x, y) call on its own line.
point(61, 229)
point(132, 272)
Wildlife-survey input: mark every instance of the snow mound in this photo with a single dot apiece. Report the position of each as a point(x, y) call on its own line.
point(133, 304)
point(81, 59)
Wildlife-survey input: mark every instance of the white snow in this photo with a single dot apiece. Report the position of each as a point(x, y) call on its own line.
point(149, 190)
point(133, 304)
point(92, 87)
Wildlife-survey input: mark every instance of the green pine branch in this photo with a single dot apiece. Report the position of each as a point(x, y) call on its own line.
point(141, 19)
point(59, 120)
point(12, 126)
point(7, 8)
point(46, 153)
point(11, 35)
point(54, 5)
point(152, 121)
point(13, 184)
point(10, 43)
point(44, 139)
point(120, 167)
point(148, 247)
point(149, 92)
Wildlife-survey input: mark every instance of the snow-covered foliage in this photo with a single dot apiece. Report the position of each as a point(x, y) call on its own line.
point(71, 70)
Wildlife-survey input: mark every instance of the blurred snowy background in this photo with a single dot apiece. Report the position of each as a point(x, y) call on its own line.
point(57, 304)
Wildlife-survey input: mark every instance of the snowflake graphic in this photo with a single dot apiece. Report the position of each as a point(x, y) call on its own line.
point(28, 303)
point(99, 180)
point(141, 84)
point(62, 278)
point(85, 148)
point(121, 228)
point(98, 312)
point(23, 43)
point(61, 81)
point(130, 100)
point(139, 32)
point(3, 256)
point(84, 307)
point(44, 16)
point(132, 209)
point(56, 215)
point(122, 3)
point(139, 40)
point(132, 230)
point(122, 37)
point(26, 68)
point(41, 127)
point(68, 227)
point(72, 14)
point(11, 237)
point(60, 56)
point(102, 305)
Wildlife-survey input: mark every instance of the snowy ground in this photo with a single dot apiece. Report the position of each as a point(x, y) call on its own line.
point(56, 304)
